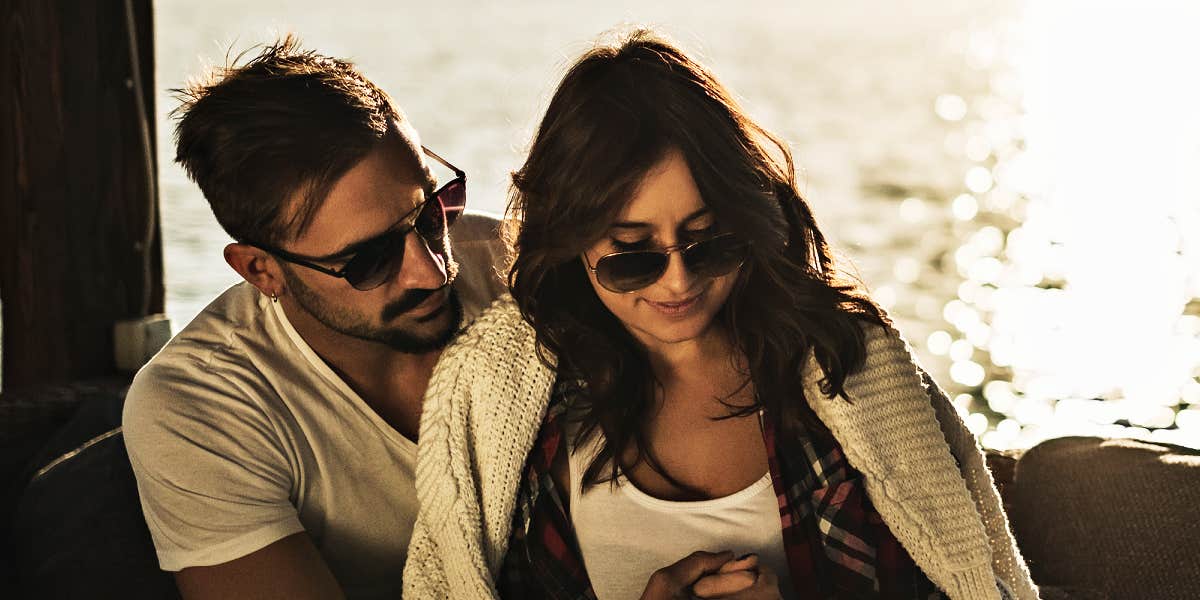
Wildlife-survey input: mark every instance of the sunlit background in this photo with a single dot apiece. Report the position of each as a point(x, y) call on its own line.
point(1016, 183)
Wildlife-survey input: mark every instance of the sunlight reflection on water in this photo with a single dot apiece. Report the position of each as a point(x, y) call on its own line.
point(1090, 306)
point(1015, 189)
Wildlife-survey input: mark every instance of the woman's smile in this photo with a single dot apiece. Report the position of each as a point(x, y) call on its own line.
point(677, 309)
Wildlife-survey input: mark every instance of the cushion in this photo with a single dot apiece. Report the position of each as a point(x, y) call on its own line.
point(78, 530)
point(1114, 516)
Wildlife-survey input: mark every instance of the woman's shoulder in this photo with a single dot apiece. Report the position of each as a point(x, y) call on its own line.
point(876, 329)
point(883, 344)
point(494, 362)
point(499, 332)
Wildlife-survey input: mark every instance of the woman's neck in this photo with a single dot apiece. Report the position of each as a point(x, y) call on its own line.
point(692, 358)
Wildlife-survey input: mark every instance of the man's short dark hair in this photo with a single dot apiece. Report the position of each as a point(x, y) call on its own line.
point(288, 120)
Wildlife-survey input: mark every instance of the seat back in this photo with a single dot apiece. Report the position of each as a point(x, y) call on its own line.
point(1115, 516)
point(78, 529)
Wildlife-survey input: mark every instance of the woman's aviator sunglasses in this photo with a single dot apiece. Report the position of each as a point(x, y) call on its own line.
point(624, 272)
point(379, 258)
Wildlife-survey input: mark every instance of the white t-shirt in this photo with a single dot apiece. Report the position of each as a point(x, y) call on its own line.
point(625, 534)
point(240, 435)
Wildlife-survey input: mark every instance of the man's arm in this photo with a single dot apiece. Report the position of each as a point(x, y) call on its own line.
point(289, 568)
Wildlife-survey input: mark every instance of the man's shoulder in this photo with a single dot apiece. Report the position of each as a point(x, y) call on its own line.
point(188, 386)
point(474, 226)
point(209, 364)
point(238, 310)
point(482, 259)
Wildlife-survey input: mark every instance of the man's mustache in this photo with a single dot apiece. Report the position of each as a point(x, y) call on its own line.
point(407, 302)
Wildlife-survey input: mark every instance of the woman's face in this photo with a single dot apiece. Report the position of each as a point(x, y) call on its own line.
point(665, 210)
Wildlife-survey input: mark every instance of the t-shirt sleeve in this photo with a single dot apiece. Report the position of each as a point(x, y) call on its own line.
point(214, 479)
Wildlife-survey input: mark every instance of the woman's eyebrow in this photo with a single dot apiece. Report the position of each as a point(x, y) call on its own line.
point(641, 225)
point(629, 225)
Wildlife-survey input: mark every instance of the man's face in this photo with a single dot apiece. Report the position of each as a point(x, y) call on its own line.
point(414, 310)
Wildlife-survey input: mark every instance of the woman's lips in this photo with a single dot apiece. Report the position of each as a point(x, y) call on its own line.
point(676, 309)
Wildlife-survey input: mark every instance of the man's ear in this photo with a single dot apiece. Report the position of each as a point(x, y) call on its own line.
point(256, 266)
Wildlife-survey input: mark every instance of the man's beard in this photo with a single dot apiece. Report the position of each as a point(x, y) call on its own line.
point(354, 325)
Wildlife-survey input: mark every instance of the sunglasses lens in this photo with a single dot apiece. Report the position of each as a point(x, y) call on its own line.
point(376, 263)
point(431, 224)
point(630, 271)
point(453, 197)
point(716, 257)
point(373, 265)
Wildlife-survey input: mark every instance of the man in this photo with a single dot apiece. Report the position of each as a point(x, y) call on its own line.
point(273, 439)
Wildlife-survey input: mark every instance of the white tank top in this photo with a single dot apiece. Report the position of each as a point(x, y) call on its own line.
point(625, 535)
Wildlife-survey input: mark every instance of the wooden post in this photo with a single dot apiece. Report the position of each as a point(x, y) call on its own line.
point(79, 243)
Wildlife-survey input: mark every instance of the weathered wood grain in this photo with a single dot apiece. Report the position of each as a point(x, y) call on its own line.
point(74, 193)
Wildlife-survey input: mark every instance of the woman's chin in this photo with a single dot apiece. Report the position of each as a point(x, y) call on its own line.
point(671, 331)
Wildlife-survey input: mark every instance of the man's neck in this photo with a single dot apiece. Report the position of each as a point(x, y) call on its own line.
point(391, 382)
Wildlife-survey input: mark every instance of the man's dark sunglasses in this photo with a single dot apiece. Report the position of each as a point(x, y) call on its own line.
point(380, 258)
point(624, 272)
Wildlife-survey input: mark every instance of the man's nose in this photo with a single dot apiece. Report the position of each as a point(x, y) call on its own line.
point(422, 267)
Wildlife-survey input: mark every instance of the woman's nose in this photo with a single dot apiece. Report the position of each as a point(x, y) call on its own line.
point(677, 278)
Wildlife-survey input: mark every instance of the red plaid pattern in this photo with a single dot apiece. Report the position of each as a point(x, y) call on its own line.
point(836, 543)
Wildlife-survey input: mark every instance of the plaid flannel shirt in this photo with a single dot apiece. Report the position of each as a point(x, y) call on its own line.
point(837, 545)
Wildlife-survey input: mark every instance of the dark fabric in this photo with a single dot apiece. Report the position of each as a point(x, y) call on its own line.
point(1115, 517)
point(1049, 592)
point(543, 560)
point(78, 530)
point(836, 543)
point(46, 408)
point(30, 418)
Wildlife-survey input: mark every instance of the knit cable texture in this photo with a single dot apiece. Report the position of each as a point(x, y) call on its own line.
point(488, 395)
point(485, 402)
point(901, 432)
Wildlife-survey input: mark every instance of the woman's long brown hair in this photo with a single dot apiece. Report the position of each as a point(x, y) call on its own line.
point(617, 112)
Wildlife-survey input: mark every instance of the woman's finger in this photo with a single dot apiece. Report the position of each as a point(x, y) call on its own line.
point(675, 580)
point(698, 564)
point(746, 562)
point(722, 584)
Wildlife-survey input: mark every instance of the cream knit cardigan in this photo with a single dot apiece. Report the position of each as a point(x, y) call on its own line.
point(489, 392)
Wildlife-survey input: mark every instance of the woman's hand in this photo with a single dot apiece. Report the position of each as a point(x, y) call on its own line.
point(674, 582)
point(741, 579)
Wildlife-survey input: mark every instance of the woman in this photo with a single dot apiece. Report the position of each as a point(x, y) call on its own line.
point(683, 378)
